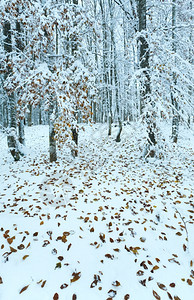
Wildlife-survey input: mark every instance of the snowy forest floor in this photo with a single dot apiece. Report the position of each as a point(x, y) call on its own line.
point(106, 225)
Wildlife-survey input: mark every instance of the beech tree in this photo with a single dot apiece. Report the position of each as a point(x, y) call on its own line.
point(164, 75)
point(52, 70)
point(12, 138)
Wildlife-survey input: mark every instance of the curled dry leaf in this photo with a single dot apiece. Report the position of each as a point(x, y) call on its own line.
point(28, 245)
point(112, 293)
point(6, 234)
point(58, 265)
point(154, 268)
point(109, 256)
point(102, 237)
point(24, 289)
point(63, 286)
point(142, 239)
point(56, 296)
point(179, 233)
point(169, 296)
point(189, 281)
point(10, 240)
point(25, 256)
point(143, 264)
point(140, 273)
point(143, 282)
point(43, 283)
point(96, 280)
point(66, 233)
point(116, 283)
point(13, 249)
point(46, 242)
point(116, 250)
point(60, 258)
point(69, 246)
point(21, 247)
point(76, 276)
point(156, 295)
point(172, 284)
point(162, 286)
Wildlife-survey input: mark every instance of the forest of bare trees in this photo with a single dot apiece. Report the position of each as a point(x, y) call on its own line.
point(65, 63)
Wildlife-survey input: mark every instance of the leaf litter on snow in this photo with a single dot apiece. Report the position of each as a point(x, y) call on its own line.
point(106, 225)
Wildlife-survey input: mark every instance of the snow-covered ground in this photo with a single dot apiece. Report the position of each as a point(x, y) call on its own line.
point(106, 225)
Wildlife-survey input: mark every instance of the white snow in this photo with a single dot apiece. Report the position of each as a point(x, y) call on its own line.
point(119, 225)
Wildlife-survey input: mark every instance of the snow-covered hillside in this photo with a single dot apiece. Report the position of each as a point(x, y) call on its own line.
point(106, 225)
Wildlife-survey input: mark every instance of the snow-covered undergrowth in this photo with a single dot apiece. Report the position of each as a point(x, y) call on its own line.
point(107, 225)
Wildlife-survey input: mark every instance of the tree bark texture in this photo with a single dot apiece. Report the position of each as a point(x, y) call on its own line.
point(12, 135)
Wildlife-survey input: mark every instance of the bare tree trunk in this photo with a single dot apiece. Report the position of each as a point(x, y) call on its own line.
point(12, 135)
point(4, 104)
point(110, 121)
point(20, 48)
point(75, 139)
point(96, 61)
point(145, 91)
point(74, 130)
point(29, 116)
point(106, 99)
point(118, 137)
point(52, 115)
point(94, 112)
point(52, 141)
point(21, 132)
point(40, 114)
point(116, 81)
point(144, 55)
point(191, 60)
point(175, 119)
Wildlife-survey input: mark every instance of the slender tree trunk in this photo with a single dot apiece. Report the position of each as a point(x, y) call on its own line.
point(110, 121)
point(74, 130)
point(52, 110)
point(52, 141)
point(20, 48)
point(4, 105)
point(52, 114)
point(21, 132)
point(94, 112)
point(191, 60)
point(94, 107)
point(12, 136)
point(118, 137)
point(40, 114)
point(175, 119)
point(145, 91)
point(29, 116)
point(105, 61)
point(143, 55)
point(116, 81)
